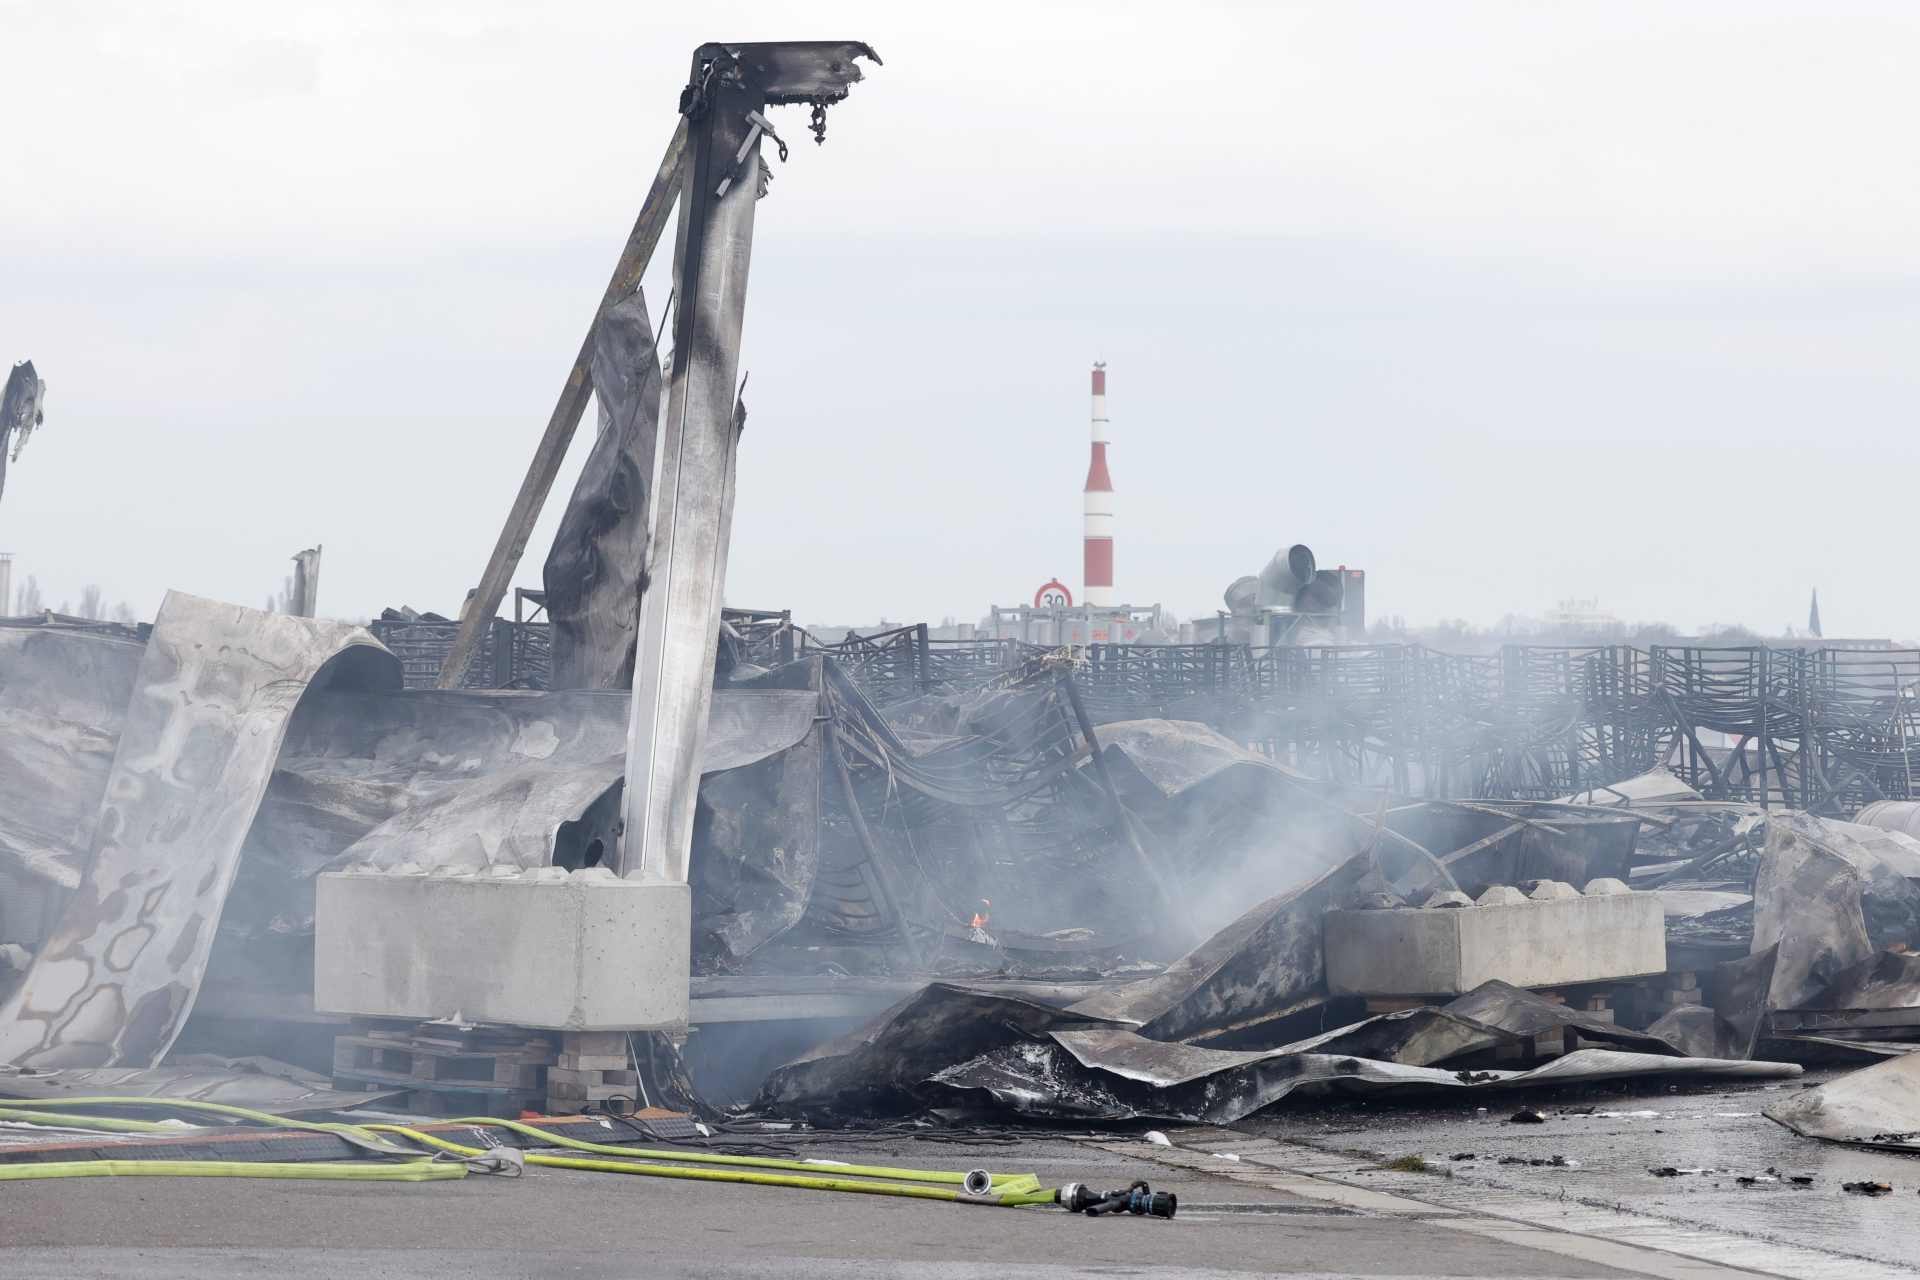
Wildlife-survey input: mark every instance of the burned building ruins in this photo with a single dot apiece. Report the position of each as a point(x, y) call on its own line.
point(631, 851)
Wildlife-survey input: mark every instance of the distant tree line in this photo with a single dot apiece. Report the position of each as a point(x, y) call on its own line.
point(1514, 629)
point(28, 600)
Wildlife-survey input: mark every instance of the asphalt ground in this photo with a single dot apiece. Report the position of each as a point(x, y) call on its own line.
point(567, 1223)
point(1612, 1136)
point(1303, 1190)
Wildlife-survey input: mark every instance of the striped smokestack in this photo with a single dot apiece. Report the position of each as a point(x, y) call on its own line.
point(1098, 498)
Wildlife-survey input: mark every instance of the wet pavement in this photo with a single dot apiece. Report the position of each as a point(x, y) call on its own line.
point(1284, 1193)
point(1611, 1136)
point(562, 1222)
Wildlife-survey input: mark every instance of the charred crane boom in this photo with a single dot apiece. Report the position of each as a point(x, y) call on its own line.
point(693, 503)
point(713, 167)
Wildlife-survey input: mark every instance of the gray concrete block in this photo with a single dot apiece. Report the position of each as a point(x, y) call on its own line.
point(568, 952)
point(593, 1061)
point(595, 1043)
point(1530, 943)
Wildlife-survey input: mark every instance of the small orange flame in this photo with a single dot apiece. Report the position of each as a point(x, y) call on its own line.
point(980, 918)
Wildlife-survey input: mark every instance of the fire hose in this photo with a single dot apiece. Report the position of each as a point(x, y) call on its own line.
point(974, 1187)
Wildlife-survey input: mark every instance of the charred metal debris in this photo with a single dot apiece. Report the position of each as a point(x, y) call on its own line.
point(1061, 901)
point(648, 855)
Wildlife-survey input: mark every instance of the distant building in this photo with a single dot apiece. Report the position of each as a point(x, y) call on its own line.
point(1580, 615)
point(1065, 624)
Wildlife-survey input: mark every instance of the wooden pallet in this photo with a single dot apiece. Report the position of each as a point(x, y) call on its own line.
point(432, 1063)
point(593, 1068)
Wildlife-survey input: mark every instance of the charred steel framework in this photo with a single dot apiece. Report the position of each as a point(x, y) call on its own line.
point(1828, 730)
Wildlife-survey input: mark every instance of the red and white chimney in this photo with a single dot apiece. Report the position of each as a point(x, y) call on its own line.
point(1098, 499)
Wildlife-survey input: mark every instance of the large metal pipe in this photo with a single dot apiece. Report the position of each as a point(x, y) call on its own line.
point(1240, 597)
point(1286, 574)
point(1892, 815)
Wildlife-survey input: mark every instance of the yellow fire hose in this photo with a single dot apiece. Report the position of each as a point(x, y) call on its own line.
point(422, 1170)
point(1005, 1190)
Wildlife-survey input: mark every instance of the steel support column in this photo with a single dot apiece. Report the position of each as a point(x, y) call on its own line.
point(693, 493)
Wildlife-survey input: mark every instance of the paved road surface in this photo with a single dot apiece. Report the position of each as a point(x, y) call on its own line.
point(564, 1223)
point(1281, 1195)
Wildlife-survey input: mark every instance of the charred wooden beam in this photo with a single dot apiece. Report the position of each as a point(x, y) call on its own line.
point(477, 615)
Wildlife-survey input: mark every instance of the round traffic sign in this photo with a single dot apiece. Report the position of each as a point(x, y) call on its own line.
point(1054, 595)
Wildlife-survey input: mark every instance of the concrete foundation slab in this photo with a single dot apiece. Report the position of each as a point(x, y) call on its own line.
point(585, 951)
point(1555, 936)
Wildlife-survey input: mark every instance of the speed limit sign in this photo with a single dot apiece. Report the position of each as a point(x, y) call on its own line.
point(1054, 595)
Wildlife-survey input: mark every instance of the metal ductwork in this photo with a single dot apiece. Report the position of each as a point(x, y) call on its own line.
point(1284, 577)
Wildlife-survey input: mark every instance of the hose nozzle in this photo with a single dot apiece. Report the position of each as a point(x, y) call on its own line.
point(1138, 1199)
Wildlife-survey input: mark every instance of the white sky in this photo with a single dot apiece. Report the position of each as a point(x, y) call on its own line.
point(1503, 302)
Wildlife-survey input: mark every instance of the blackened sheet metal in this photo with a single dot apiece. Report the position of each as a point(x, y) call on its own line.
point(21, 410)
point(1416, 1037)
point(1492, 1014)
point(820, 71)
point(1731, 1027)
point(1028, 1058)
point(443, 778)
point(1740, 1002)
point(353, 764)
point(757, 848)
point(509, 818)
point(62, 694)
point(881, 1066)
point(217, 685)
point(749, 724)
point(596, 571)
point(1878, 1106)
point(1263, 966)
point(1521, 1013)
point(1124, 1075)
point(1174, 756)
point(1693, 1029)
point(1829, 899)
point(419, 775)
point(1885, 980)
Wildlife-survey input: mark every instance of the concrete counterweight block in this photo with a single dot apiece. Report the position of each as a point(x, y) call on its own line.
point(585, 951)
point(1555, 937)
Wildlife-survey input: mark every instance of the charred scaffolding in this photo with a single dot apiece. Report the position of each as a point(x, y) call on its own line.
point(1827, 730)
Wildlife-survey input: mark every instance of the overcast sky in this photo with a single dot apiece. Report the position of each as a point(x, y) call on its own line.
point(1504, 303)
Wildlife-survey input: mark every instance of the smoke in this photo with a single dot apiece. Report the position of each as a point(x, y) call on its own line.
point(1241, 834)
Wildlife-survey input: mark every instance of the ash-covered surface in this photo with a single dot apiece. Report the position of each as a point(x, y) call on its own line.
point(1612, 1136)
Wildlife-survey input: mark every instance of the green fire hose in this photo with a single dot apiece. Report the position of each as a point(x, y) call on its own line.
point(422, 1165)
point(422, 1170)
